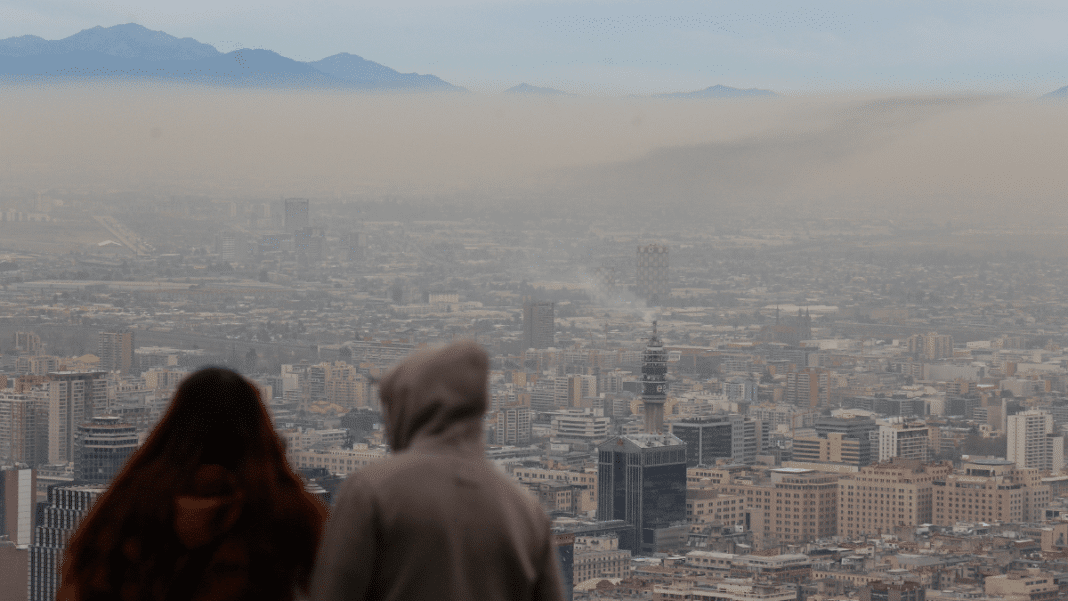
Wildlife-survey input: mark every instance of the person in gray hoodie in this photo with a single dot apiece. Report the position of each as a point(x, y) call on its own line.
point(436, 520)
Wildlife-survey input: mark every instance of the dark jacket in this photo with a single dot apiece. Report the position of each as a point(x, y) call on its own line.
point(436, 520)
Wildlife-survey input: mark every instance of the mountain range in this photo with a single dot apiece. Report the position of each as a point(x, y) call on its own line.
point(131, 51)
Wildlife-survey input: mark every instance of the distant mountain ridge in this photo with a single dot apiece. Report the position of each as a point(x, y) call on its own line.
point(1058, 93)
point(719, 91)
point(525, 88)
point(131, 51)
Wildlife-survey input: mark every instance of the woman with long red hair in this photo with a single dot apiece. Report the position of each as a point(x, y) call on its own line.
point(207, 509)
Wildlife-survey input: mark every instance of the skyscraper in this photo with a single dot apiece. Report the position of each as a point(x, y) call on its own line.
point(67, 505)
point(296, 214)
point(539, 328)
point(18, 501)
point(651, 278)
point(715, 437)
point(641, 479)
point(117, 351)
point(101, 448)
point(23, 428)
point(654, 383)
point(72, 397)
point(1032, 442)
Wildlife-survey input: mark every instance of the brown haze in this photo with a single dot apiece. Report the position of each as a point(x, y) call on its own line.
point(942, 155)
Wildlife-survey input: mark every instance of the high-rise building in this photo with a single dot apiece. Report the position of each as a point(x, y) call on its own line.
point(654, 384)
point(885, 497)
point(117, 352)
point(513, 426)
point(101, 448)
point(296, 214)
point(652, 276)
point(67, 505)
point(641, 479)
point(310, 243)
point(931, 346)
point(23, 428)
point(859, 428)
point(1032, 442)
point(232, 246)
point(28, 343)
point(713, 437)
point(990, 490)
point(72, 397)
point(808, 387)
point(908, 440)
point(353, 246)
point(539, 329)
point(18, 503)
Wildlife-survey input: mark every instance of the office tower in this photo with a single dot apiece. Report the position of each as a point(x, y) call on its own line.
point(717, 437)
point(652, 283)
point(931, 346)
point(1032, 442)
point(296, 214)
point(67, 505)
point(117, 351)
point(28, 343)
point(514, 426)
point(990, 490)
point(23, 428)
point(310, 243)
point(641, 479)
point(740, 389)
point(654, 383)
point(101, 448)
point(885, 497)
point(539, 329)
point(910, 440)
point(232, 246)
point(808, 387)
point(352, 246)
point(72, 397)
point(564, 543)
point(18, 502)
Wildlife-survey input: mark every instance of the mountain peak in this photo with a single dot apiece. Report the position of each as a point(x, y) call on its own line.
point(719, 91)
point(127, 40)
point(525, 88)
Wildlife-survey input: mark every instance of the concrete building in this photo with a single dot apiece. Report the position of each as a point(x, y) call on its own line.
point(580, 425)
point(884, 497)
point(908, 440)
point(539, 326)
point(296, 214)
point(28, 343)
point(73, 397)
point(808, 388)
point(116, 352)
point(600, 557)
point(514, 426)
point(989, 490)
point(18, 504)
point(931, 346)
point(904, 590)
point(66, 507)
point(652, 277)
point(641, 479)
point(1022, 585)
point(23, 428)
point(101, 448)
point(1032, 442)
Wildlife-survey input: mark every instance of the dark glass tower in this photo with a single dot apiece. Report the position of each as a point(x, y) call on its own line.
point(101, 448)
point(641, 479)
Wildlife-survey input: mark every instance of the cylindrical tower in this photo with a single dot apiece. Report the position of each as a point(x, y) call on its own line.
point(654, 384)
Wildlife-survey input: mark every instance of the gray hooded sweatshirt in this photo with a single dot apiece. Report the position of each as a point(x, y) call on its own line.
point(436, 520)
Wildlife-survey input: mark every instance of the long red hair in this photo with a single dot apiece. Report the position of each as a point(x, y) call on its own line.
point(216, 417)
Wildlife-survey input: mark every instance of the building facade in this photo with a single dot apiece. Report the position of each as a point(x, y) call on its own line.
point(884, 497)
point(101, 448)
point(116, 351)
point(67, 505)
point(641, 479)
point(989, 490)
point(1032, 442)
point(539, 326)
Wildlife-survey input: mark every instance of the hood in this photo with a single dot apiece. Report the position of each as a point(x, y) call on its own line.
point(435, 399)
point(209, 508)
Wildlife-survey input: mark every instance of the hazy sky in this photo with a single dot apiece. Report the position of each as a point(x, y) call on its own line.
point(612, 47)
